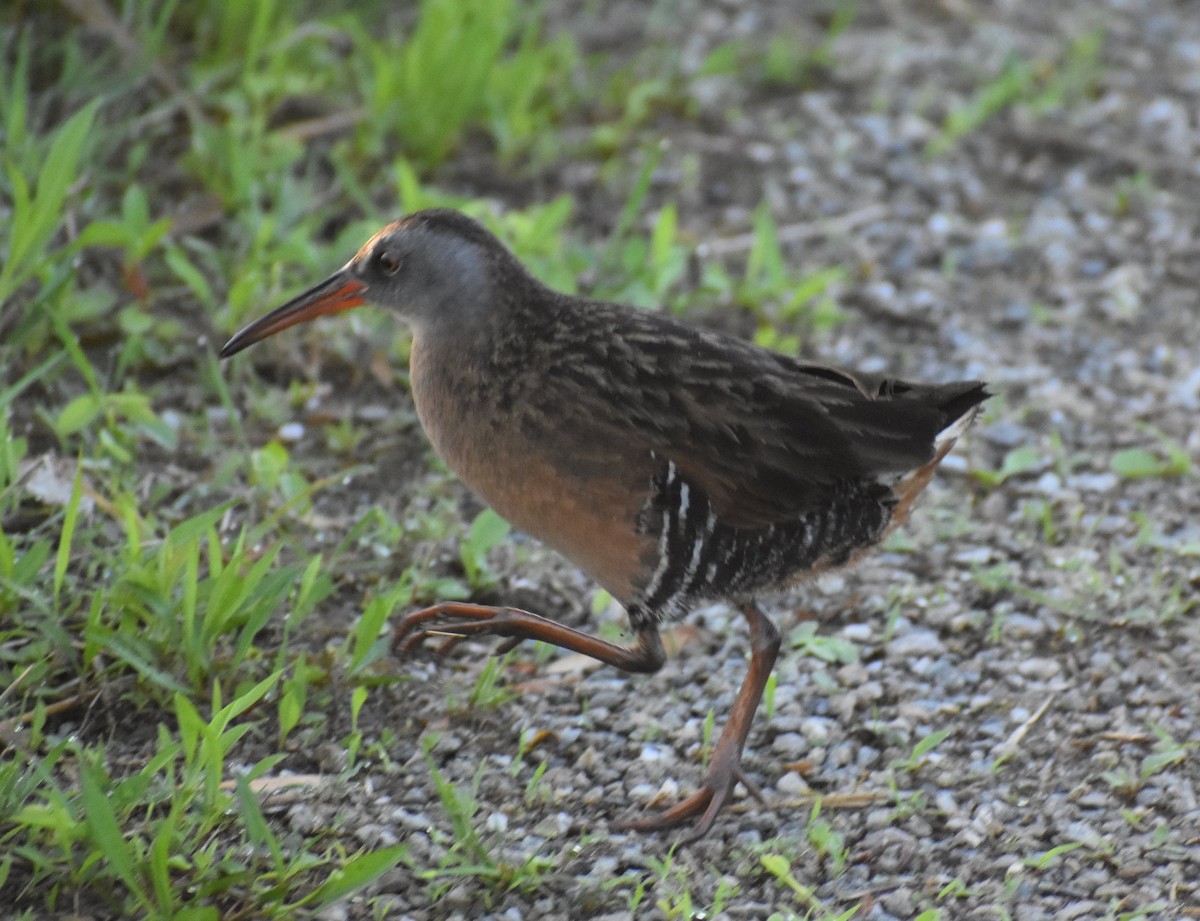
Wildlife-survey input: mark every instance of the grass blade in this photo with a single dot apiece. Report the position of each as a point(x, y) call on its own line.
point(358, 872)
point(63, 559)
point(105, 830)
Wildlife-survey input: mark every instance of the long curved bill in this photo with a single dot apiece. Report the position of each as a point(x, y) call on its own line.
point(338, 292)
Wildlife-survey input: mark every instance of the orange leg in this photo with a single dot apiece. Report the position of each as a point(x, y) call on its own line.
point(725, 769)
point(455, 621)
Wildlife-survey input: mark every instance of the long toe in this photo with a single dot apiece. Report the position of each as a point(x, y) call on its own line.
point(673, 817)
point(706, 802)
point(449, 621)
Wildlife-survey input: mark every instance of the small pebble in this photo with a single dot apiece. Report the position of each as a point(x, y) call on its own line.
point(374, 835)
point(1095, 482)
point(789, 745)
point(915, 643)
point(1039, 668)
point(1020, 626)
point(857, 633)
point(414, 821)
point(1084, 833)
point(792, 784)
point(818, 728)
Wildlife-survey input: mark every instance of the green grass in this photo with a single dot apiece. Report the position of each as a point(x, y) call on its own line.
point(779, 867)
point(1040, 86)
point(1167, 459)
point(916, 757)
point(484, 66)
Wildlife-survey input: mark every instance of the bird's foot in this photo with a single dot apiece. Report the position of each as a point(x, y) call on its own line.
point(454, 621)
point(706, 802)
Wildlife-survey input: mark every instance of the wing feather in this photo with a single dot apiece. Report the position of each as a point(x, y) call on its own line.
point(767, 437)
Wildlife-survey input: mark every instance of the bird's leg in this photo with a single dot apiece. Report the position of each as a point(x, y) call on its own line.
point(455, 621)
point(725, 768)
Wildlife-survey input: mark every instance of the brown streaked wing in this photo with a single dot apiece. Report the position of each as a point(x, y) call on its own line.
point(765, 436)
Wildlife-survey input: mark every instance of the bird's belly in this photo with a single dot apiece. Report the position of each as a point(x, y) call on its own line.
point(591, 520)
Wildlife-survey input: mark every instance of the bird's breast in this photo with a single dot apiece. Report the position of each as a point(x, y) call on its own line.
point(583, 500)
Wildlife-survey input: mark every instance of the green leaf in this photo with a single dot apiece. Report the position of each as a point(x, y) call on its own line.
point(369, 626)
point(10, 393)
point(179, 263)
point(36, 217)
point(77, 415)
point(358, 872)
point(291, 708)
point(1017, 461)
point(68, 531)
point(255, 823)
point(192, 529)
point(268, 464)
point(196, 913)
point(487, 530)
point(776, 864)
point(253, 695)
point(104, 828)
point(119, 647)
point(1133, 463)
point(929, 743)
point(104, 233)
point(601, 601)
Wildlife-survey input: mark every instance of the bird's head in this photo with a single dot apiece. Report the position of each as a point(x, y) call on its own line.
point(434, 268)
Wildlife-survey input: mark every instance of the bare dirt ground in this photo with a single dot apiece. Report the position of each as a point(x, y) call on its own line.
point(1045, 622)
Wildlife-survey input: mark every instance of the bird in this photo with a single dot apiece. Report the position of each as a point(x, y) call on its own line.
point(673, 464)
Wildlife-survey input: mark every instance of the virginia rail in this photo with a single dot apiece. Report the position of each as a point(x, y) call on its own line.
point(672, 464)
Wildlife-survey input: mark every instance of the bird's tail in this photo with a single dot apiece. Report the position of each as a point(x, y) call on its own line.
point(959, 404)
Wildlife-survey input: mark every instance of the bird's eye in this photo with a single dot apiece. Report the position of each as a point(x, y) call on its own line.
point(387, 262)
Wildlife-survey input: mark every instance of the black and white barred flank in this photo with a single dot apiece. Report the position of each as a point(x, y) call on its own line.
point(699, 558)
